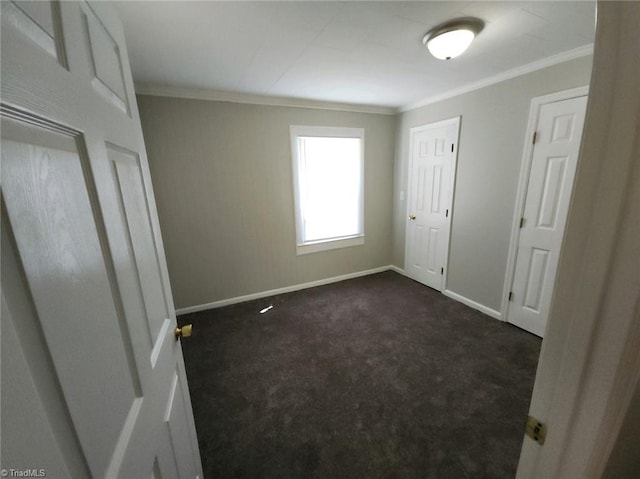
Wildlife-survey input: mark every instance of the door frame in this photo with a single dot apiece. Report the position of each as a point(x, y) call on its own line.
point(456, 121)
point(523, 184)
point(589, 363)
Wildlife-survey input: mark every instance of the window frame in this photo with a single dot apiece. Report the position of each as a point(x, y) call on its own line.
point(297, 131)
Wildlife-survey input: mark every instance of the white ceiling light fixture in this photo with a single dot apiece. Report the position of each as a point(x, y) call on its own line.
point(450, 39)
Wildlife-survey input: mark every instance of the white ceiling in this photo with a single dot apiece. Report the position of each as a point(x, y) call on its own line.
point(358, 52)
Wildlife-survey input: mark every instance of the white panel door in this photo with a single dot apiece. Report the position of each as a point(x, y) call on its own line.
point(93, 379)
point(431, 173)
point(553, 166)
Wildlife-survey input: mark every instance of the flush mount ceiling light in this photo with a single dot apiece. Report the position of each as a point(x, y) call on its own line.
point(450, 39)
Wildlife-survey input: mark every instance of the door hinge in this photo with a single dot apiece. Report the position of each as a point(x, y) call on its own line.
point(535, 430)
point(441, 270)
point(451, 147)
point(535, 137)
point(446, 214)
point(521, 222)
point(510, 295)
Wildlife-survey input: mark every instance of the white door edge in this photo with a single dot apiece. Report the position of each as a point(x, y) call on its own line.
point(523, 181)
point(456, 120)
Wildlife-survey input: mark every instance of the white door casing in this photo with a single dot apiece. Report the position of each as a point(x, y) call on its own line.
point(431, 178)
point(541, 225)
point(93, 379)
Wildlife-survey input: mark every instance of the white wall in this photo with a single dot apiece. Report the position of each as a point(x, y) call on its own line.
point(493, 125)
point(223, 183)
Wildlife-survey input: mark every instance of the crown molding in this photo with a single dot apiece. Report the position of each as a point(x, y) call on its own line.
point(232, 97)
point(507, 75)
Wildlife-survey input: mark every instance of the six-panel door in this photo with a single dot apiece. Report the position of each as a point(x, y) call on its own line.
point(431, 168)
point(553, 166)
point(93, 381)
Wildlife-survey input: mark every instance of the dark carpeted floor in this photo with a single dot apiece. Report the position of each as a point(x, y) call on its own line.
point(376, 377)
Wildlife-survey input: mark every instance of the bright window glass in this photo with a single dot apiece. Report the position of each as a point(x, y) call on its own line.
point(328, 174)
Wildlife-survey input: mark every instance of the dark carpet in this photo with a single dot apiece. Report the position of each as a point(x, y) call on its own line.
point(375, 377)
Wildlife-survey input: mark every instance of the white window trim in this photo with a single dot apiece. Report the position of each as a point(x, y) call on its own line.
point(324, 131)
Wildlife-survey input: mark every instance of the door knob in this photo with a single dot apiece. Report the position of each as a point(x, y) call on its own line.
point(183, 332)
point(412, 217)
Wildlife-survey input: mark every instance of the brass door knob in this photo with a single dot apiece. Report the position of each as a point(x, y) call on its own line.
point(412, 217)
point(184, 331)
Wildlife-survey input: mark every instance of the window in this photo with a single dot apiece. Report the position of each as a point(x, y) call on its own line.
point(328, 177)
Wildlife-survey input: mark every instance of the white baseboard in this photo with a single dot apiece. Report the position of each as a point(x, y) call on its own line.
point(398, 270)
point(472, 304)
point(286, 289)
point(461, 299)
point(311, 284)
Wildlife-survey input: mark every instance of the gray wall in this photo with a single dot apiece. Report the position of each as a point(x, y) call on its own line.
point(624, 462)
point(223, 184)
point(494, 120)
point(222, 179)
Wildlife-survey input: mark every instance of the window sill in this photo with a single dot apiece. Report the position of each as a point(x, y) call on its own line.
point(329, 244)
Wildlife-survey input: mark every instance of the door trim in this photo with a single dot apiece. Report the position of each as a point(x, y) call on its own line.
point(523, 182)
point(456, 120)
